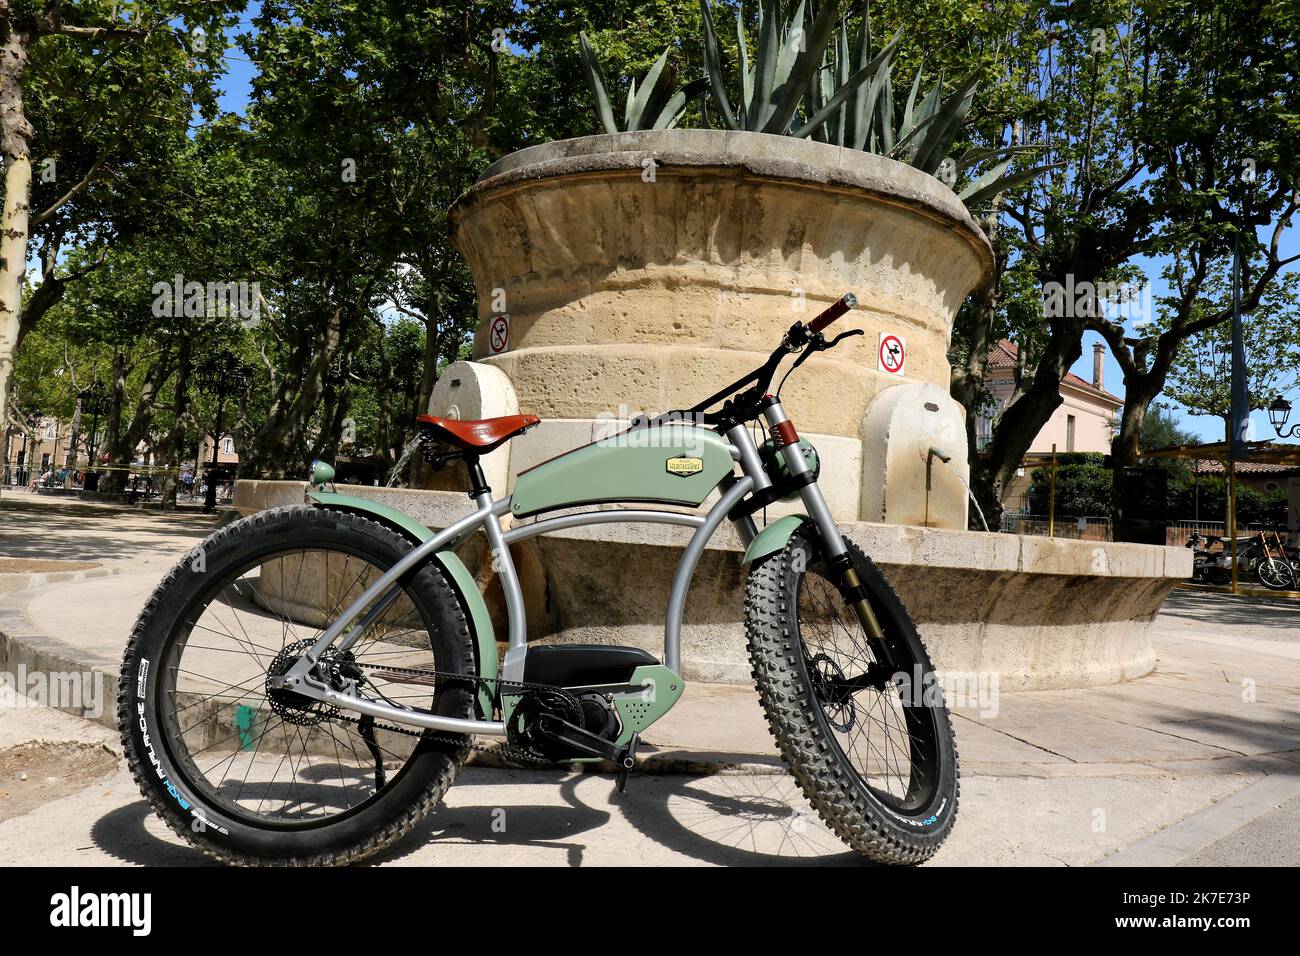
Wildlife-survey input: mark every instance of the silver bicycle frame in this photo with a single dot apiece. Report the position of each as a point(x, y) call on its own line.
point(487, 516)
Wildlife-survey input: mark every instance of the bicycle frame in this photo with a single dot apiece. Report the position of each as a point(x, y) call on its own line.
point(383, 592)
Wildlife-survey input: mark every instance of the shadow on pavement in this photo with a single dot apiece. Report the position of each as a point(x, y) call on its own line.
point(726, 820)
point(1228, 610)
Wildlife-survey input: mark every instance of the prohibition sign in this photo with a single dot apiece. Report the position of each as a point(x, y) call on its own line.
point(893, 354)
point(499, 334)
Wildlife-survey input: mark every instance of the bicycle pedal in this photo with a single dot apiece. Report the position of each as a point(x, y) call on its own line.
point(627, 763)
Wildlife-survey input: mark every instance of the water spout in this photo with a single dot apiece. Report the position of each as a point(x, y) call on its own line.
point(395, 475)
point(947, 460)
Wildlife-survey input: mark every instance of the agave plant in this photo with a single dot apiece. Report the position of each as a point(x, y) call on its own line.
point(858, 121)
point(789, 53)
point(867, 120)
point(652, 104)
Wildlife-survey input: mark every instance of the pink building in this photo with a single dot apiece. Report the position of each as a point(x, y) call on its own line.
point(1084, 421)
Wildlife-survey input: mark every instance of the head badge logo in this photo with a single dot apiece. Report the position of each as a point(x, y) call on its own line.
point(683, 466)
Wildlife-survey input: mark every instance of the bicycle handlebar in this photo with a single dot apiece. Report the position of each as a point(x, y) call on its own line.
point(845, 303)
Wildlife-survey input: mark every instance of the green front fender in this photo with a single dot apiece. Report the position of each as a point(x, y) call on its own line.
point(774, 537)
point(457, 575)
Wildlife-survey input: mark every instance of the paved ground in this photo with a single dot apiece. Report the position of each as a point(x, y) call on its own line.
point(1199, 762)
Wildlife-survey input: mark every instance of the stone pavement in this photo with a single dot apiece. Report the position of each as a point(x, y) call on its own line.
point(1197, 762)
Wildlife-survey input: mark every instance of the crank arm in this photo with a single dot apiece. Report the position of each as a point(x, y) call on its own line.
point(580, 739)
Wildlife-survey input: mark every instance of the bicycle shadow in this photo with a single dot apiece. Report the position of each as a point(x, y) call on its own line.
point(722, 820)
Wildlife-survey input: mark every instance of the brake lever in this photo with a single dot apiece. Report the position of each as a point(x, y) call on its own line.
point(826, 346)
point(816, 343)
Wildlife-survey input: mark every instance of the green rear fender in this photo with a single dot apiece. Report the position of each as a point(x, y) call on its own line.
point(457, 574)
point(774, 537)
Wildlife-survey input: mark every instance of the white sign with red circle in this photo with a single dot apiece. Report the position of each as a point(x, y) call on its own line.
point(892, 357)
point(499, 334)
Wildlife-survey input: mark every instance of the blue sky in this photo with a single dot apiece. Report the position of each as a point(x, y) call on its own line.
point(236, 86)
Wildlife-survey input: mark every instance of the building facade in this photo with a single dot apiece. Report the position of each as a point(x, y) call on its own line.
point(1085, 420)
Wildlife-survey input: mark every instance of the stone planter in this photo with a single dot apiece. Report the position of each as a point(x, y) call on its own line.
point(641, 271)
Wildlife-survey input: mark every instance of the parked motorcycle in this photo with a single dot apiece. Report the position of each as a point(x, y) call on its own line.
point(1276, 567)
point(1261, 556)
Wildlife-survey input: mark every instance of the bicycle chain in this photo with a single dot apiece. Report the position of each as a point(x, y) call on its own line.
point(504, 750)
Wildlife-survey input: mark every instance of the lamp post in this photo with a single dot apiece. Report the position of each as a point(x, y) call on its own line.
point(94, 400)
point(222, 375)
point(1278, 413)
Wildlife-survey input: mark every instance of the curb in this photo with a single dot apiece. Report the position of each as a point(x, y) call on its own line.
point(1243, 590)
point(1185, 839)
point(13, 581)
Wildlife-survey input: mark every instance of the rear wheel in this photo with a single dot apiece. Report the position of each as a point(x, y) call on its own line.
point(870, 742)
point(251, 773)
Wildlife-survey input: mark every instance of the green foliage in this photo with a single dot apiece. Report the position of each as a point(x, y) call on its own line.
point(1084, 481)
point(1207, 499)
point(1083, 486)
point(654, 105)
point(1200, 378)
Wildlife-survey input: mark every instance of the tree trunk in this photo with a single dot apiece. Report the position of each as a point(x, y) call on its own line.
point(70, 453)
point(15, 139)
point(112, 480)
point(279, 447)
point(174, 455)
point(1125, 445)
point(1021, 422)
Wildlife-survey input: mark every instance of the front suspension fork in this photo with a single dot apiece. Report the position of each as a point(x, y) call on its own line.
point(845, 576)
point(843, 573)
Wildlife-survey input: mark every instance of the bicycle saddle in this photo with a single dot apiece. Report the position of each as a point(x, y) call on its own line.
point(480, 436)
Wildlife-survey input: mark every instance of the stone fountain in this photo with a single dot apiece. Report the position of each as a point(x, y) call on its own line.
point(640, 272)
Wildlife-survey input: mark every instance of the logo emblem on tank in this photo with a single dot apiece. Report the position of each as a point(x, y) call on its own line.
point(683, 466)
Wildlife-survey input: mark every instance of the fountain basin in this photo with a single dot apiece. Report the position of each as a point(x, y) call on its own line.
point(638, 272)
point(1033, 613)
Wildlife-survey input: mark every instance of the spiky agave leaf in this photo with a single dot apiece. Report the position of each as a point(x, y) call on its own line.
point(781, 71)
point(857, 108)
point(676, 105)
point(599, 87)
point(788, 94)
point(651, 103)
point(746, 72)
point(947, 124)
point(993, 182)
point(713, 69)
point(654, 91)
point(861, 76)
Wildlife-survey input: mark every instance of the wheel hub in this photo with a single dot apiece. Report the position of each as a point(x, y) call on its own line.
point(828, 679)
point(291, 707)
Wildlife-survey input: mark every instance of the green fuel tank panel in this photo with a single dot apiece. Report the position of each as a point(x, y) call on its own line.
point(665, 464)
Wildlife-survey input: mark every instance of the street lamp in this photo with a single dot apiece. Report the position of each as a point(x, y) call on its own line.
point(222, 375)
point(1278, 413)
point(94, 400)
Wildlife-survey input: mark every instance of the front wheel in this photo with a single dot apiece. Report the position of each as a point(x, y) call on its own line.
point(868, 738)
point(1275, 574)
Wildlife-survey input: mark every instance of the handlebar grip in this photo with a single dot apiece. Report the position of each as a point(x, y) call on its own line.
point(845, 303)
